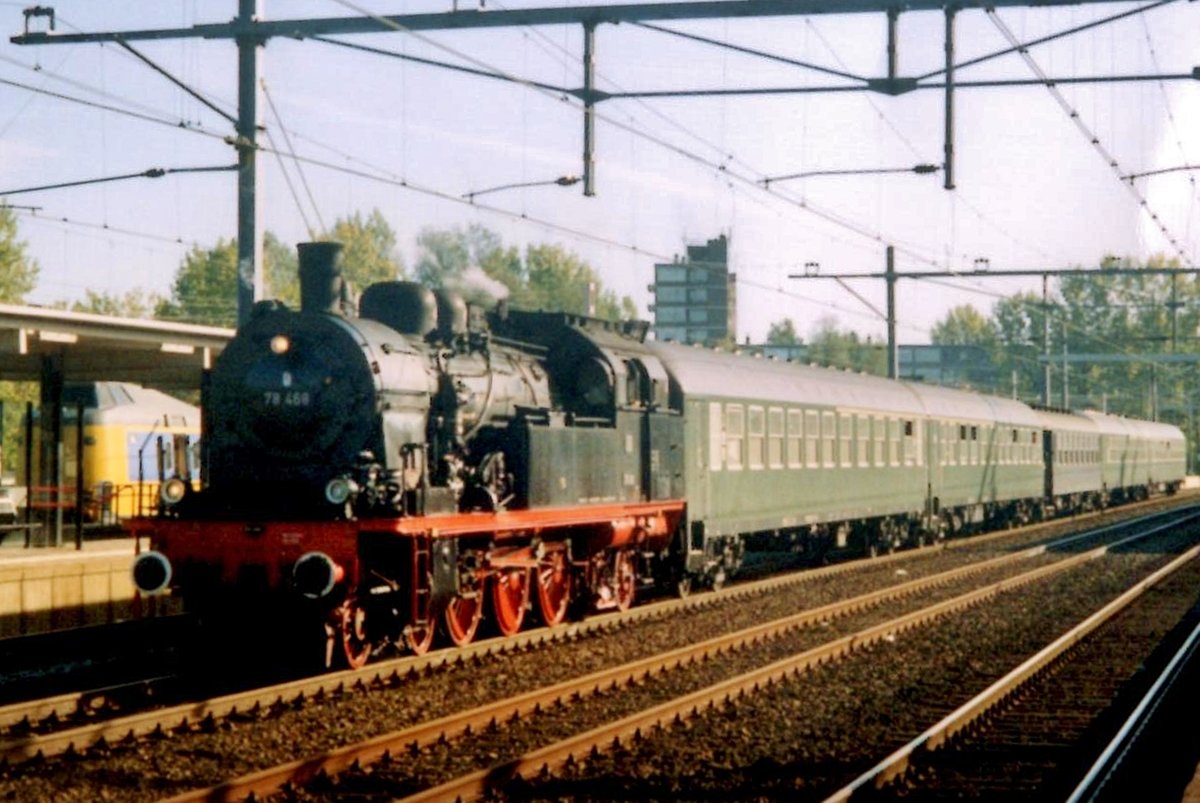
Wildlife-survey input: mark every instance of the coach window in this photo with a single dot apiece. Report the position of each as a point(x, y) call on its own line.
point(795, 439)
point(949, 433)
point(880, 428)
point(974, 446)
point(910, 443)
point(828, 439)
point(893, 442)
point(735, 431)
point(716, 436)
point(845, 439)
point(862, 440)
point(775, 437)
point(757, 421)
point(812, 438)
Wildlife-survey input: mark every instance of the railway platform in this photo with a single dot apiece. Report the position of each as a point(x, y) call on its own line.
point(54, 588)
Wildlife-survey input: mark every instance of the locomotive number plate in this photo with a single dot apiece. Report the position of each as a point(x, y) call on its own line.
point(291, 398)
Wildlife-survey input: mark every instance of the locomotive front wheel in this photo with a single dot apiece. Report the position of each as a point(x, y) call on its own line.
point(463, 615)
point(554, 587)
point(624, 579)
point(510, 597)
point(352, 634)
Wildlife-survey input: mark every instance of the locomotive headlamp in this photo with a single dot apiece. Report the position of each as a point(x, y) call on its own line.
point(172, 491)
point(339, 489)
point(280, 344)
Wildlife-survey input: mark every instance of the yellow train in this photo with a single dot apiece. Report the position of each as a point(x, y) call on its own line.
point(133, 437)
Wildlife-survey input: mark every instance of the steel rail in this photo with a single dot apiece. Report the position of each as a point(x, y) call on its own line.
point(272, 779)
point(268, 781)
point(1111, 759)
point(895, 764)
point(66, 706)
point(71, 704)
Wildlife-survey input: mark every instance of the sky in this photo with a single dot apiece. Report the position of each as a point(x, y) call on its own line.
point(1035, 185)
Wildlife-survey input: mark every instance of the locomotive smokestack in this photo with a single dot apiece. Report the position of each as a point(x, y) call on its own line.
point(322, 286)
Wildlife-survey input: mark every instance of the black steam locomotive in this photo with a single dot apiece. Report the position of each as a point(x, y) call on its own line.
point(383, 471)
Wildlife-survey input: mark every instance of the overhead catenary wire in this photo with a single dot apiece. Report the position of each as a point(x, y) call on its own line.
point(716, 166)
point(858, 231)
point(720, 167)
point(1093, 138)
point(149, 118)
point(303, 179)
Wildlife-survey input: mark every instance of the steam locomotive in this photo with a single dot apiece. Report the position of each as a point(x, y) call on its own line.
point(380, 475)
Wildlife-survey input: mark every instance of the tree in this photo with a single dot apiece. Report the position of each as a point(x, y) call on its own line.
point(205, 287)
point(783, 333)
point(845, 349)
point(134, 304)
point(965, 326)
point(281, 272)
point(18, 276)
point(471, 261)
point(369, 252)
point(549, 277)
point(18, 271)
point(561, 281)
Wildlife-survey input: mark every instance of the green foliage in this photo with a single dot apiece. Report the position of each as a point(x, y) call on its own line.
point(549, 277)
point(965, 326)
point(18, 272)
point(205, 287)
point(14, 396)
point(134, 304)
point(281, 272)
point(783, 333)
point(831, 346)
point(1131, 315)
point(368, 250)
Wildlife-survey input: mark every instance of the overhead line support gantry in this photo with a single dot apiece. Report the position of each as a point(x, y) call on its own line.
point(250, 32)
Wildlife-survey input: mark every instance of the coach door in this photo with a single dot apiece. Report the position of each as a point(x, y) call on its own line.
point(1048, 463)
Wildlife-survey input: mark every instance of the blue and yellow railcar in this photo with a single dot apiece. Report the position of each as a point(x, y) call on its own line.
point(132, 437)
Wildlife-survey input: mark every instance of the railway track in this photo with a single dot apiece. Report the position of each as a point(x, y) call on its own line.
point(74, 721)
point(917, 594)
point(1034, 732)
point(540, 765)
point(207, 714)
point(1157, 739)
point(119, 655)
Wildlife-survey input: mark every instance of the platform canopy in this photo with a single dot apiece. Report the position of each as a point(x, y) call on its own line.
point(83, 347)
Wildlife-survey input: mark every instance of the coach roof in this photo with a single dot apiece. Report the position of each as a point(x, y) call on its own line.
point(707, 373)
